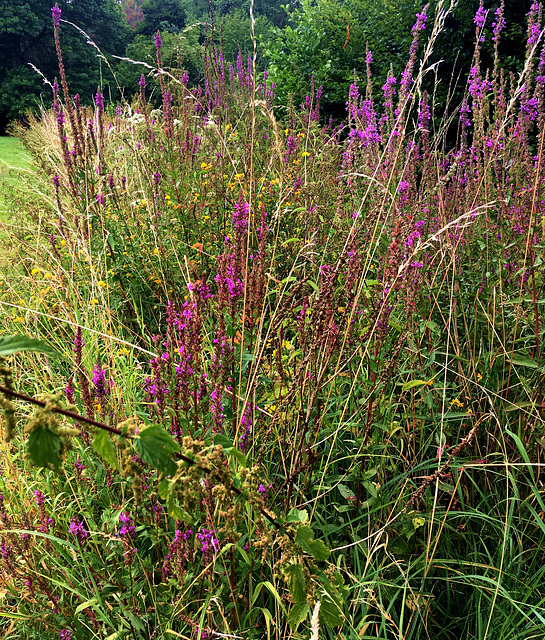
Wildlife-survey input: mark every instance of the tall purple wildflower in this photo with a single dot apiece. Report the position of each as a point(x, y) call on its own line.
point(56, 15)
point(480, 16)
point(77, 529)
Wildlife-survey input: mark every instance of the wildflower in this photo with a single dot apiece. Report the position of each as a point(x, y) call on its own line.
point(99, 100)
point(480, 16)
point(56, 14)
point(65, 634)
point(127, 529)
point(77, 529)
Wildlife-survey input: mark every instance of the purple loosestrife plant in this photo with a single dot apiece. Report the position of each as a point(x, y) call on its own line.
point(77, 529)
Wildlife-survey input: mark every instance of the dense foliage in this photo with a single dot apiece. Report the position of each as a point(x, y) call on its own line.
point(324, 39)
point(293, 379)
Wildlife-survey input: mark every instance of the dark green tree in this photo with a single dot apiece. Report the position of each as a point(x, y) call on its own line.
point(26, 38)
point(162, 15)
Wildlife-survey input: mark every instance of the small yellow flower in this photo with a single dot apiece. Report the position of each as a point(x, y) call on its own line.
point(63, 243)
point(305, 154)
point(156, 252)
point(227, 127)
point(35, 271)
point(479, 377)
point(101, 284)
point(144, 202)
point(205, 166)
point(94, 301)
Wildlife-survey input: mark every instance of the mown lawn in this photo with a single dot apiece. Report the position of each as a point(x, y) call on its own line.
point(12, 158)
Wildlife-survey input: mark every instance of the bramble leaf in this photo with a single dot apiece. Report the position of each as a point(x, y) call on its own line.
point(103, 445)
point(297, 515)
point(315, 548)
point(155, 446)
point(295, 578)
point(43, 447)
point(298, 613)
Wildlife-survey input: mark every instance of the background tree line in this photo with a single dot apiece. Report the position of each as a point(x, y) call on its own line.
point(320, 39)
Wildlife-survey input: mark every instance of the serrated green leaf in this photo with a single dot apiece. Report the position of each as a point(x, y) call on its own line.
point(162, 488)
point(43, 447)
point(331, 612)
point(103, 445)
point(155, 447)
point(223, 441)
point(19, 342)
point(295, 577)
point(315, 548)
point(297, 614)
point(296, 515)
point(229, 448)
point(174, 509)
point(413, 383)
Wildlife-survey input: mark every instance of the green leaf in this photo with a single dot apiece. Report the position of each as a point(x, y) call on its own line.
point(162, 488)
point(173, 508)
point(223, 441)
point(315, 548)
point(85, 605)
point(13, 344)
point(295, 577)
point(330, 611)
point(155, 446)
point(346, 492)
point(229, 449)
point(43, 447)
point(296, 515)
point(103, 445)
point(135, 621)
point(524, 361)
point(297, 614)
point(413, 383)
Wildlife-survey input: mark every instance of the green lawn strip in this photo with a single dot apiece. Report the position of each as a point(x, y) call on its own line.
point(13, 159)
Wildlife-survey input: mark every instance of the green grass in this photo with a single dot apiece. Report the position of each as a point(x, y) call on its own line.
point(13, 159)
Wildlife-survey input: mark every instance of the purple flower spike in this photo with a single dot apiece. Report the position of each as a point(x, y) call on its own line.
point(480, 17)
point(77, 529)
point(56, 14)
point(65, 634)
point(99, 381)
point(99, 100)
point(127, 529)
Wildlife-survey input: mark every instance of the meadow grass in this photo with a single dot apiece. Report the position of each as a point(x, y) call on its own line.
point(321, 346)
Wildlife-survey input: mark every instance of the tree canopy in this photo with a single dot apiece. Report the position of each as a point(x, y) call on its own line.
point(330, 41)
